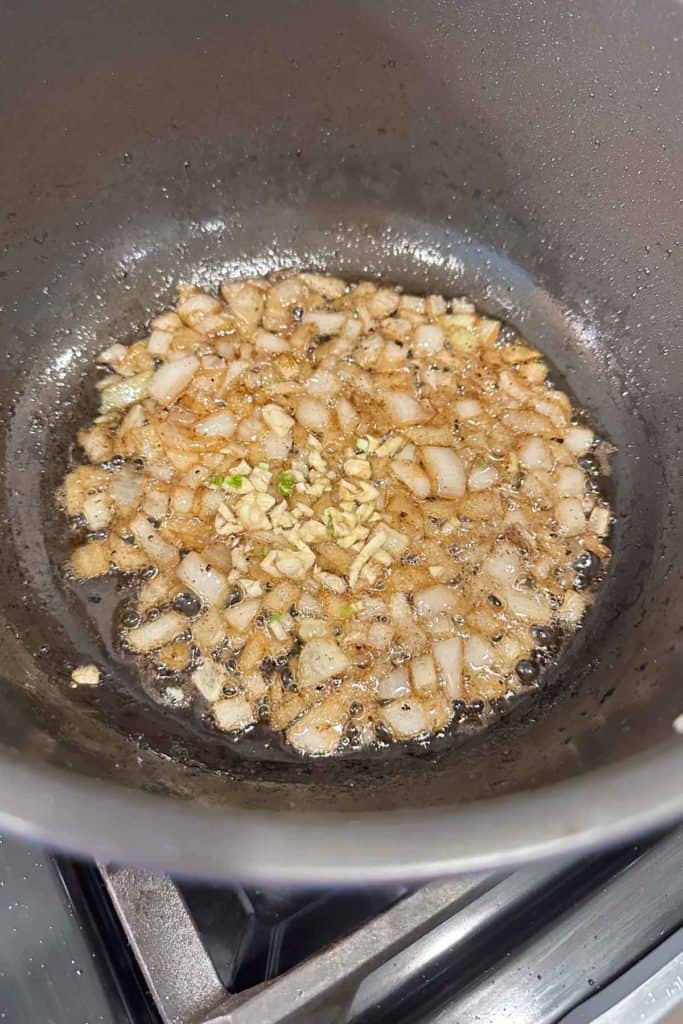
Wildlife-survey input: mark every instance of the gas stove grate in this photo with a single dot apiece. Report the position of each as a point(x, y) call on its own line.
point(526, 947)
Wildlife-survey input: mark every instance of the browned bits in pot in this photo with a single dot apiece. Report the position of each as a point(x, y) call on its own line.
point(361, 509)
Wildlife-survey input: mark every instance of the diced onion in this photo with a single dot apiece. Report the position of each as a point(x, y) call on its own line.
point(445, 468)
point(325, 323)
point(241, 615)
point(527, 604)
point(579, 439)
point(124, 392)
point(467, 408)
point(208, 583)
point(159, 342)
point(125, 487)
point(448, 655)
point(233, 713)
point(276, 447)
point(311, 738)
point(571, 482)
point(347, 417)
point(482, 477)
point(414, 478)
point(503, 564)
point(171, 379)
point(152, 542)
point(534, 454)
point(573, 608)
point(152, 635)
point(311, 414)
point(423, 674)
point(267, 342)
point(209, 677)
point(479, 654)
point(96, 512)
point(219, 424)
point(435, 600)
point(428, 338)
point(405, 718)
point(570, 516)
point(320, 660)
point(405, 410)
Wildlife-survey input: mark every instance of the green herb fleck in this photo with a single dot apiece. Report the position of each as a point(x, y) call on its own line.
point(347, 611)
point(329, 525)
point(480, 463)
point(235, 480)
point(275, 616)
point(286, 482)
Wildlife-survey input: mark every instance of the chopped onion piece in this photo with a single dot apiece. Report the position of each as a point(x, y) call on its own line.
point(534, 454)
point(85, 675)
point(195, 308)
point(325, 323)
point(152, 543)
point(445, 468)
point(241, 615)
point(235, 369)
point(503, 564)
point(125, 487)
point(159, 342)
point(467, 408)
point(279, 421)
point(124, 392)
point(573, 608)
point(312, 414)
point(528, 604)
point(311, 738)
point(449, 657)
point(219, 424)
point(599, 520)
point(347, 417)
point(320, 660)
point(233, 713)
point(171, 379)
point(405, 410)
point(267, 342)
point(579, 439)
point(396, 684)
point(570, 516)
point(208, 583)
point(276, 447)
point(482, 477)
point(405, 718)
point(428, 338)
point(155, 634)
point(414, 478)
point(96, 512)
point(423, 674)
point(435, 600)
point(571, 482)
point(112, 355)
point(479, 654)
point(209, 677)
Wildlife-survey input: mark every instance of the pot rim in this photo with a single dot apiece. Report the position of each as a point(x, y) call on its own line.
point(111, 823)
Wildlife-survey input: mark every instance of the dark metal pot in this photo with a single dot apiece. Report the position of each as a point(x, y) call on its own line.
point(527, 154)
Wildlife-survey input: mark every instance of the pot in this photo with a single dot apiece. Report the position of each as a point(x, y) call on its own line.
point(528, 156)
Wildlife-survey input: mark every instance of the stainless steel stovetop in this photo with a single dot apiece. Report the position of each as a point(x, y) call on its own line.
point(594, 941)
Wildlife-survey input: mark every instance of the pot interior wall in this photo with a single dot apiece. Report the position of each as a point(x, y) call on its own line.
point(513, 155)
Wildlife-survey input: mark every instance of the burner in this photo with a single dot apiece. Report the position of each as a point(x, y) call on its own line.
point(592, 941)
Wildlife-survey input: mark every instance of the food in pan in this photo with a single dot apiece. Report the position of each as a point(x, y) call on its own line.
point(345, 512)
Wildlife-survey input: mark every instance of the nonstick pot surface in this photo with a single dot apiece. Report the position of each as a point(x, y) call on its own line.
point(524, 156)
